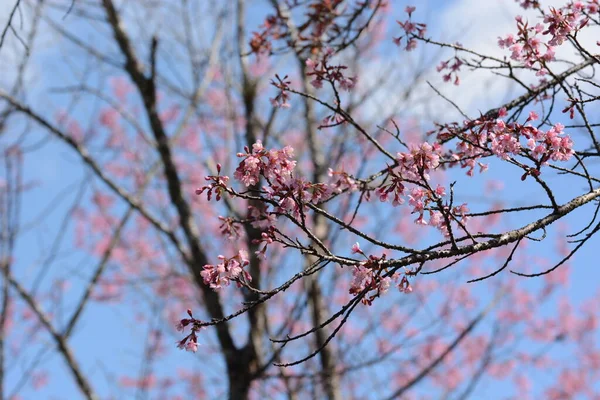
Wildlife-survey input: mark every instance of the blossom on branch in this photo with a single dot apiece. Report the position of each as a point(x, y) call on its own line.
point(229, 269)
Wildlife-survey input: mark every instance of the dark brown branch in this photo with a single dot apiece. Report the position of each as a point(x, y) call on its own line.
point(60, 341)
point(146, 88)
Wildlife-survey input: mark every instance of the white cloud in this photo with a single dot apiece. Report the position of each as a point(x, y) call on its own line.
point(480, 24)
point(477, 25)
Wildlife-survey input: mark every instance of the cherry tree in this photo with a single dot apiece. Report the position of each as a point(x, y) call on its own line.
point(296, 193)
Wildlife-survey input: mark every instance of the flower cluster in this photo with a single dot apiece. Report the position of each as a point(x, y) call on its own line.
point(332, 120)
point(482, 137)
point(395, 187)
point(420, 198)
point(229, 269)
point(275, 165)
point(414, 167)
point(560, 23)
point(272, 28)
point(424, 199)
point(260, 218)
point(325, 22)
point(501, 142)
point(452, 67)
point(420, 160)
point(437, 219)
point(404, 285)
point(470, 161)
point(229, 227)
point(564, 22)
point(190, 342)
point(294, 195)
point(548, 145)
point(412, 31)
point(281, 100)
point(283, 194)
point(323, 71)
point(364, 278)
point(218, 185)
point(267, 237)
point(369, 276)
point(528, 47)
point(344, 181)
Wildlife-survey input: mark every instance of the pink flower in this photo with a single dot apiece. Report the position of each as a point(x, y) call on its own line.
point(191, 346)
point(440, 190)
point(230, 269)
point(275, 165)
point(504, 145)
point(356, 248)
point(404, 286)
point(421, 159)
point(182, 324)
point(420, 220)
point(39, 380)
point(506, 42)
point(362, 277)
point(248, 172)
point(281, 100)
point(532, 116)
point(347, 83)
point(190, 342)
point(384, 284)
point(435, 218)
